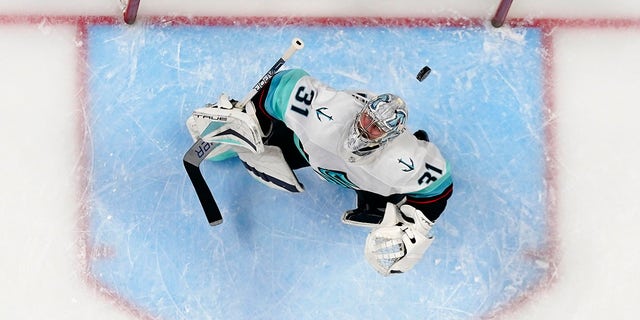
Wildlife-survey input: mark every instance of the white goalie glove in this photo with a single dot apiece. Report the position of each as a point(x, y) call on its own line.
point(396, 245)
point(226, 127)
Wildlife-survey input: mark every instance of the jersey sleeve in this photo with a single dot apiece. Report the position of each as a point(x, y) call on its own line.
point(433, 206)
point(282, 85)
point(430, 185)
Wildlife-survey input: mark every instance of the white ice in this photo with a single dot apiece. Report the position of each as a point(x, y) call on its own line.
point(596, 81)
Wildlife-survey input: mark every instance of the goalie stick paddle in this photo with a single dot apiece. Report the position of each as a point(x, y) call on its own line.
point(200, 149)
point(192, 159)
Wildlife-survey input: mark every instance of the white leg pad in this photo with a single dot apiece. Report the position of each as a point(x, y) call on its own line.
point(225, 127)
point(271, 169)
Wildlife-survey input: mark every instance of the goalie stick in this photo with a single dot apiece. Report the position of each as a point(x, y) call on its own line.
point(200, 149)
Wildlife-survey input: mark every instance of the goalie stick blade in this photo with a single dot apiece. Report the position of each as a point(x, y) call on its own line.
point(211, 210)
point(192, 159)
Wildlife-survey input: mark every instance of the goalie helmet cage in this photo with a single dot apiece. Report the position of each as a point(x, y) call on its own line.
point(501, 13)
point(130, 11)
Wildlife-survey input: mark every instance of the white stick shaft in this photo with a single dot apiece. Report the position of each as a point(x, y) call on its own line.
point(296, 44)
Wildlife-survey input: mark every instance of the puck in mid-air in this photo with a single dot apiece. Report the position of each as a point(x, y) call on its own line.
point(423, 73)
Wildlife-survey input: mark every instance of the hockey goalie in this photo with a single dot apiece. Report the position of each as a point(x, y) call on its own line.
point(358, 140)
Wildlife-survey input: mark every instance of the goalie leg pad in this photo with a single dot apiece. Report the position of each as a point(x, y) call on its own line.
point(226, 128)
point(271, 169)
point(220, 151)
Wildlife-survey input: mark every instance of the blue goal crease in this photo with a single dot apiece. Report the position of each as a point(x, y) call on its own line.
point(285, 256)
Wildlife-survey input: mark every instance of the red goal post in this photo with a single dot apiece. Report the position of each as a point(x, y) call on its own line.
point(501, 13)
point(130, 11)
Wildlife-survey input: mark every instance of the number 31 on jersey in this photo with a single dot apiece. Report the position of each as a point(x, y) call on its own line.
point(303, 100)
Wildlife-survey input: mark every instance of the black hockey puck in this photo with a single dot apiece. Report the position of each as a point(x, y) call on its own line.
point(423, 73)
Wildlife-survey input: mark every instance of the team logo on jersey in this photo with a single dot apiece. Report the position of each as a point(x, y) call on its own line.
point(409, 167)
point(320, 112)
point(337, 177)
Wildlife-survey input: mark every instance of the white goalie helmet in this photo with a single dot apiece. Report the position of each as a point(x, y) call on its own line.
point(381, 120)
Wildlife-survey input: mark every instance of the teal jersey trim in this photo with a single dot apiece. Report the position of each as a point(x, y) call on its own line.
point(296, 141)
point(436, 188)
point(282, 85)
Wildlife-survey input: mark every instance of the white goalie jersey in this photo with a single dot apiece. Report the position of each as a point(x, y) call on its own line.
point(321, 117)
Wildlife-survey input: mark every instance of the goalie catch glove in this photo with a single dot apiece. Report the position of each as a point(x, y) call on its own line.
point(400, 241)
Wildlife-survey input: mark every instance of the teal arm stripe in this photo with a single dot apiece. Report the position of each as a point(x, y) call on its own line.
point(436, 188)
point(282, 84)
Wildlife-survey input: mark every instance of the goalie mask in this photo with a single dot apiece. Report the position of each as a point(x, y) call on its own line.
point(381, 120)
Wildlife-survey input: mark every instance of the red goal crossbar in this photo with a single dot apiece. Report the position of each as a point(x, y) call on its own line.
point(130, 12)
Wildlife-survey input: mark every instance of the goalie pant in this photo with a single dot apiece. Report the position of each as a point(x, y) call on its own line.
point(308, 121)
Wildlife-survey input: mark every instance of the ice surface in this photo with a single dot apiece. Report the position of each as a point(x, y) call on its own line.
point(151, 253)
point(287, 256)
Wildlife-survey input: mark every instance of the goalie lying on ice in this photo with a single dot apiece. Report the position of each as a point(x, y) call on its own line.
point(357, 140)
